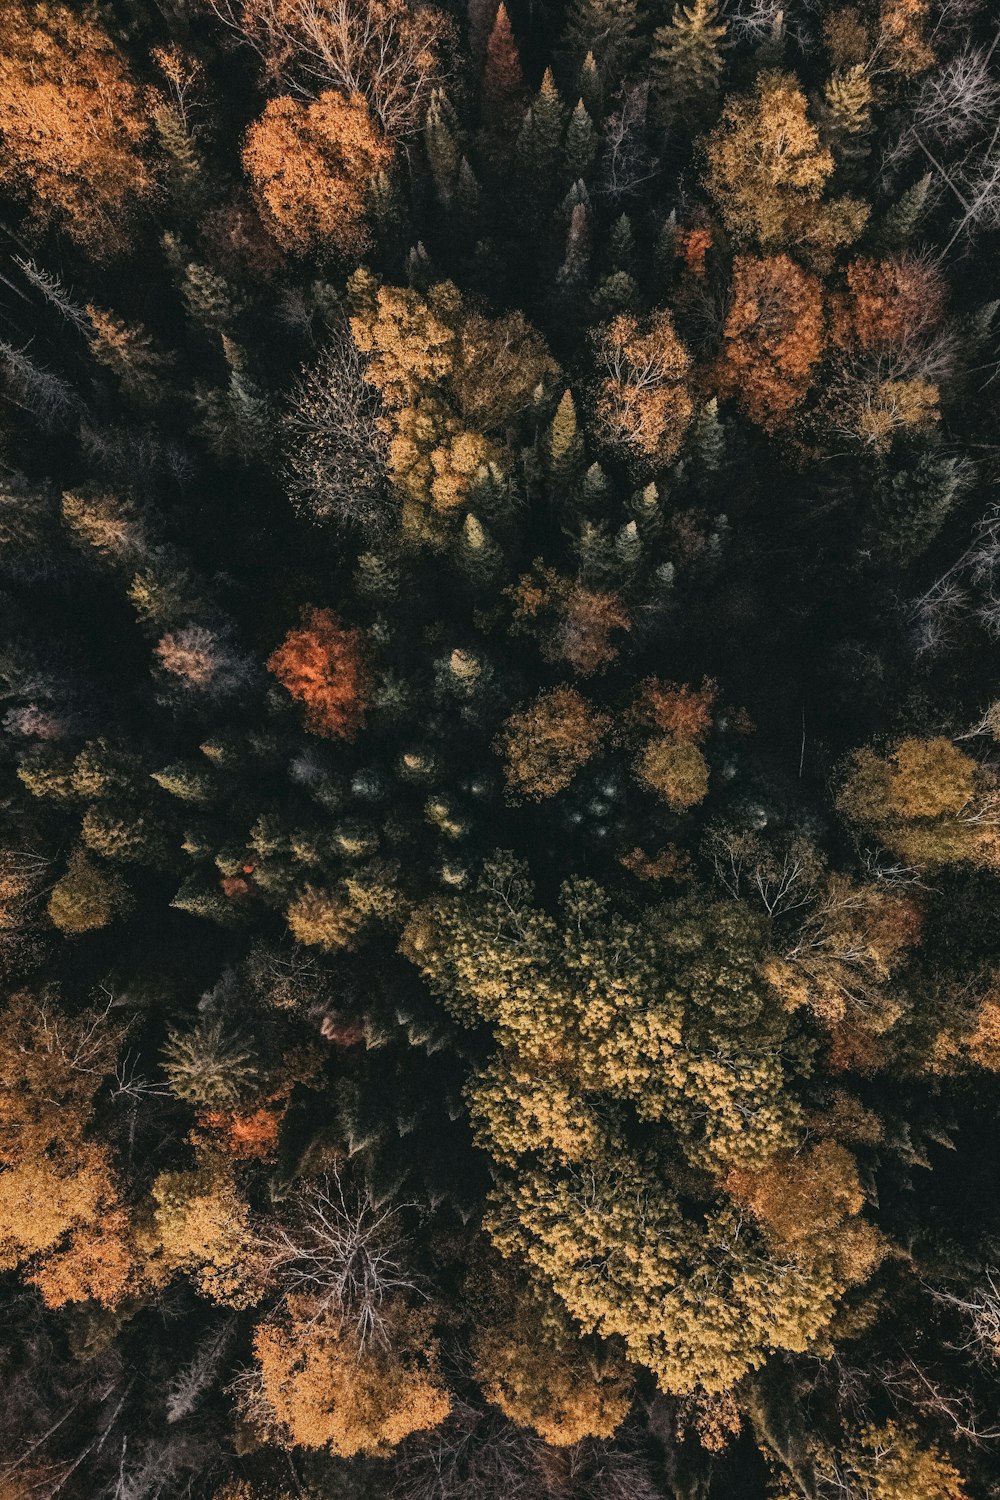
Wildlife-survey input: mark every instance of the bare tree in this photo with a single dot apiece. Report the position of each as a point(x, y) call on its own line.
point(193, 1380)
point(384, 50)
point(54, 292)
point(345, 1252)
point(337, 442)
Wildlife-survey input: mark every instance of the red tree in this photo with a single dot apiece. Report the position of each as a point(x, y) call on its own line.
point(321, 664)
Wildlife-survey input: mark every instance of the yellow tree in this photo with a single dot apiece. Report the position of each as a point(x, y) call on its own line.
point(319, 1387)
point(927, 801)
point(768, 174)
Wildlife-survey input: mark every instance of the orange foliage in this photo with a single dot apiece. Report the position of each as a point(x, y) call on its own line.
point(693, 245)
point(889, 303)
point(98, 1265)
point(571, 623)
point(794, 1196)
point(546, 743)
point(73, 125)
point(678, 709)
point(247, 1136)
point(502, 92)
point(321, 664)
point(324, 1391)
point(311, 165)
point(903, 28)
point(773, 338)
point(642, 400)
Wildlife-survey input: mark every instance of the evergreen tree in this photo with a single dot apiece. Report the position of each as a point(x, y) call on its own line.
point(501, 90)
point(537, 149)
point(685, 64)
point(607, 33)
point(580, 144)
point(565, 441)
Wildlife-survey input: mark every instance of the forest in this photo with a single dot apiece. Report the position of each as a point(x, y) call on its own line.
point(499, 750)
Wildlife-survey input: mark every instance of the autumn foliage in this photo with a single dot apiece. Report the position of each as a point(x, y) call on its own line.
point(322, 666)
point(311, 165)
point(74, 125)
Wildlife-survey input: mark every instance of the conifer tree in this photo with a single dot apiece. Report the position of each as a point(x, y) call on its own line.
point(537, 149)
point(685, 63)
point(502, 87)
point(606, 32)
point(580, 144)
point(565, 441)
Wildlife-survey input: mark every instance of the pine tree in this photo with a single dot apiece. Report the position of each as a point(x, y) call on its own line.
point(900, 222)
point(580, 145)
point(502, 88)
point(467, 194)
point(441, 145)
point(621, 244)
point(686, 63)
point(606, 31)
point(590, 88)
point(537, 150)
point(565, 441)
point(913, 504)
point(576, 260)
point(479, 555)
point(707, 439)
point(846, 115)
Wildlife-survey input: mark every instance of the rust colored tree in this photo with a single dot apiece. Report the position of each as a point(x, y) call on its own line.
point(322, 665)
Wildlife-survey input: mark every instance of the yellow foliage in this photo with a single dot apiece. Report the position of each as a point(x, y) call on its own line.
point(324, 1391)
point(203, 1228)
point(539, 1373)
point(643, 402)
point(675, 769)
point(927, 800)
point(768, 173)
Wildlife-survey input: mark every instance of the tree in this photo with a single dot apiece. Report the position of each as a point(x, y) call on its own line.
point(311, 165)
point(86, 896)
point(209, 1064)
point(501, 91)
point(768, 173)
point(202, 1227)
point(322, 666)
point(531, 1364)
point(383, 50)
point(202, 661)
point(927, 801)
point(449, 375)
point(675, 769)
point(337, 446)
point(129, 352)
point(605, 32)
point(546, 743)
point(580, 144)
point(319, 1390)
point(773, 338)
point(642, 401)
point(669, 1011)
point(685, 63)
point(75, 126)
point(537, 147)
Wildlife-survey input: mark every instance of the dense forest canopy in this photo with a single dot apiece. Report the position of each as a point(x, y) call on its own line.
point(500, 854)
